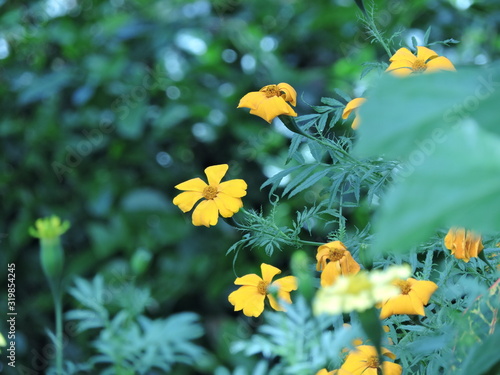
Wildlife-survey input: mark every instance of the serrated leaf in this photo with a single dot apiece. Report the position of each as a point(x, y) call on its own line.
point(294, 145)
point(457, 185)
point(276, 179)
point(343, 95)
point(427, 34)
point(322, 108)
point(332, 102)
point(299, 178)
point(414, 42)
point(310, 181)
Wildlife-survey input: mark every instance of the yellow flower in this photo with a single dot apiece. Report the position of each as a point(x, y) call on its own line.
point(222, 198)
point(359, 291)
point(413, 295)
point(404, 63)
point(463, 244)
point(353, 105)
point(363, 360)
point(251, 295)
point(271, 101)
point(335, 260)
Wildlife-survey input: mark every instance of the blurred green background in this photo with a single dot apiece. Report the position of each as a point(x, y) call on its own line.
point(106, 105)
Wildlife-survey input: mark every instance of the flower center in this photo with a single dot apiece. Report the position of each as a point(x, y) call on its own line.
point(419, 66)
point(262, 287)
point(335, 254)
point(209, 192)
point(372, 362)
point(404, 286)
point(271, 90)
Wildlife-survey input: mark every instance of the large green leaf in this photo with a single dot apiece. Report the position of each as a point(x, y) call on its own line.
point(457, 185)
point(409, 115)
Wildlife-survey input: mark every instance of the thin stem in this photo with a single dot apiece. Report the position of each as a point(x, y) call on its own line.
point(56, 294)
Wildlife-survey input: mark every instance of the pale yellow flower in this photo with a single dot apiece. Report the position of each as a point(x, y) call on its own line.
point(254, 290)
point(222, 198)
point(463, 244)
point(271, 101)
point(404, 63)
point(353, 105)
point(359, 292)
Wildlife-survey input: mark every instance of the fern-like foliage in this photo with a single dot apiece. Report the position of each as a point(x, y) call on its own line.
point(126, 341)
point(302, 342)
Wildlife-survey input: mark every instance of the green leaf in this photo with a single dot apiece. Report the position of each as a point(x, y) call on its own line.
point(483, 358)
point(403, 116)
point(457, 185)
point(427, 34)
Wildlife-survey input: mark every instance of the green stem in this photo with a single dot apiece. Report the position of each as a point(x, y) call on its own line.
point(376, 33)
point(56, 294)
point(310, 243)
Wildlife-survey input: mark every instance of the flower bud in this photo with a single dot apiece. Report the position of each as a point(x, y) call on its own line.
point(49, 230)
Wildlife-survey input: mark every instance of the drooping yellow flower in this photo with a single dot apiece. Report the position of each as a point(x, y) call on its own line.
point(271, 101)
point(404, 63)
point(222, 198)
point(251, 295)
point(414, 294)
point(363, 360)
point(353, 105)
point(333, 259)
point(359, 291)
point(463, 244)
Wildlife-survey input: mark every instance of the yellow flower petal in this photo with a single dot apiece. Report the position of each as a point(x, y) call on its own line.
point(232, 204)
point(268, 272)
point(285, 296)
point(330, 274)
point(206, 213)
point(438, 64)
point(401, 304)
point(403, 54)
point(252, 100)
point(248, 299)
point(423, 289)
point(250, 279)
point(391, 368)
point(425, 53)
point(351, 106)
point(290, 93)
point(286, 284)
point(195, 184)
point(185, 201)
point(234, 188)
point(356, 122)
point(215, 173)
point(274, 304)
point(223, 210)
point(272, 108)
point(417, 304)
point(400, 68)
